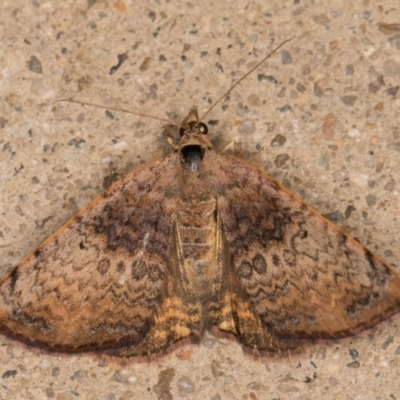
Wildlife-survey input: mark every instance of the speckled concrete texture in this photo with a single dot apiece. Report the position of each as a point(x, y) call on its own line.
point(321, 116)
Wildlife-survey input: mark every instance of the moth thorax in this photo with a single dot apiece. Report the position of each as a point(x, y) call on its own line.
point(192, 157)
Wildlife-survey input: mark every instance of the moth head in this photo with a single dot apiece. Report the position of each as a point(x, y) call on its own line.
point(194, 142)
point(192, 125)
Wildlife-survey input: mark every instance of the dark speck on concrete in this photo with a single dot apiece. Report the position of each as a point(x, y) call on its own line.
point(9, 373)
point(35, 65)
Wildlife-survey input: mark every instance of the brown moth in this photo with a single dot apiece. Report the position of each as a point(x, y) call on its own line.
point(196, 242)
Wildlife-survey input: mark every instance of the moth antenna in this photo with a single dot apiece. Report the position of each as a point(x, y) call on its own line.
point(244, 77)
point(165, 120)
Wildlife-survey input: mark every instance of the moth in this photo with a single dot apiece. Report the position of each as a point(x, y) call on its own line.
point(196, 242)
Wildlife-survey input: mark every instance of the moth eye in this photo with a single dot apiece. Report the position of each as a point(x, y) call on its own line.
point(181, 131)
point(203, 128)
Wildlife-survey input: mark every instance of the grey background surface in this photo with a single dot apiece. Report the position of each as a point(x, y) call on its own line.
point(321, 117)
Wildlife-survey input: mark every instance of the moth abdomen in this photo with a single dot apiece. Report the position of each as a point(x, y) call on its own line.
point(197, 231)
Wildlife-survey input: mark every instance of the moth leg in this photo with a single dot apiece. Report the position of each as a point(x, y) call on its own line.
point(237, 149)
point(230, 145)
point(172, 143)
